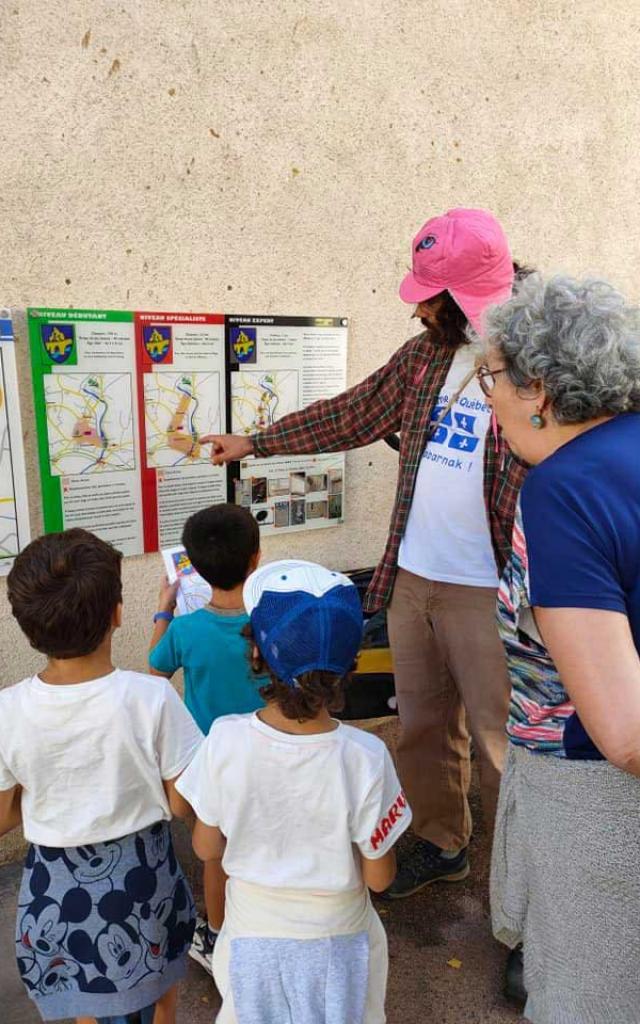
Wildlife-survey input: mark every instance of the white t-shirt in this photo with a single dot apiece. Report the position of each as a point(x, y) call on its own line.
point(293, 807)
point(447, 534)
point(91, 757)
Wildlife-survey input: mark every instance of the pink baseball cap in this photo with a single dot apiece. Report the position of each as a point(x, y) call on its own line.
point(466, 253)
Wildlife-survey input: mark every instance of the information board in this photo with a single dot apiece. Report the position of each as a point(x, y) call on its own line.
point(14, 505)
point(85, 393)
point(279, 365)
point(182, 396)
point(122, 400)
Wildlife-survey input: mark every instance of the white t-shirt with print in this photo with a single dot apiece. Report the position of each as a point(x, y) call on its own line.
point(293, 807)
point(447, 536)
point(91, 757)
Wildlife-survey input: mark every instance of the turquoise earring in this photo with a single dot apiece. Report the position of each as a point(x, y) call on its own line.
point(537, 421)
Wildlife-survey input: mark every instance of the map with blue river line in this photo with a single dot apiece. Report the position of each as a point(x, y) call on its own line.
point(89, 423)
point(179, 407)
point(262, 397)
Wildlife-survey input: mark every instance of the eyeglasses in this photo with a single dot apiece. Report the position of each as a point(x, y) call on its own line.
point(487, 379)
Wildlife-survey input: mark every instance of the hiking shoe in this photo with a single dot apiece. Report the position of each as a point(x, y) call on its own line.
point(201, 948)
point(514, 988)
point(423, 865)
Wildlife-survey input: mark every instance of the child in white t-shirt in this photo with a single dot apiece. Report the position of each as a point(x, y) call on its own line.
point(89, 755)
point(301, 812)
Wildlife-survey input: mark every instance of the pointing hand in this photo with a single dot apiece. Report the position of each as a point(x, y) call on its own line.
point(227, 447)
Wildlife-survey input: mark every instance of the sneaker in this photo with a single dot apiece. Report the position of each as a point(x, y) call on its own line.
point(423, 865)
point(514, 988)
point(201, 948)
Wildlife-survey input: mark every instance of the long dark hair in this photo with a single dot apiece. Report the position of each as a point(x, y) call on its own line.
point(449, 326)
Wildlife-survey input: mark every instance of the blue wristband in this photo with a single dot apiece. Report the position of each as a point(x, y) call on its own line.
point(164, 616)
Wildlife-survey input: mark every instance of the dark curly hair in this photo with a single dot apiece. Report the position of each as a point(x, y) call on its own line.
point(314, 690)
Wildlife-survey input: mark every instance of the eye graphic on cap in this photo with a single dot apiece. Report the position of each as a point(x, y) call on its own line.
point(426, 243)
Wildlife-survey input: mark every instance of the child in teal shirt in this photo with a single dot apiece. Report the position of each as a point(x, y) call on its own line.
point(223, 544)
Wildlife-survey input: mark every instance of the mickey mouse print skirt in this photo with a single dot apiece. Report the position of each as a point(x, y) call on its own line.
point(103, 930)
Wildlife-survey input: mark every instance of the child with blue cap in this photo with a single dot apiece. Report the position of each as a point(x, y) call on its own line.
point(301, 812)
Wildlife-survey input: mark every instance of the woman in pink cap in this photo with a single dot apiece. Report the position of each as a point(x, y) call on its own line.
point(450, 533)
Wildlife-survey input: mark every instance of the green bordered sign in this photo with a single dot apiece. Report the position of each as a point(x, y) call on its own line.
point(84, 386)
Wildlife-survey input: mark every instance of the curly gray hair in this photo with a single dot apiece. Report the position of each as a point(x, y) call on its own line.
point(580, 339)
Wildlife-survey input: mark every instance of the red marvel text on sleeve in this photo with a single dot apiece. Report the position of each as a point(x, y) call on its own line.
point(387, 822)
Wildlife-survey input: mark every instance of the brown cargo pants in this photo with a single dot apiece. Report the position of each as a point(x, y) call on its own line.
point(451, 680)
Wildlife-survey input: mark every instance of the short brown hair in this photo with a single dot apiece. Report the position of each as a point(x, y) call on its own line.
point(313, 691)
point(63, 589)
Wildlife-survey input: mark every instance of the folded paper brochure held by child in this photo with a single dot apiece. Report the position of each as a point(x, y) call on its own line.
point(193, 592)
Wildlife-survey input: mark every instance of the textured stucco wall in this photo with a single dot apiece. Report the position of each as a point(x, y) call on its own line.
point(277, 158)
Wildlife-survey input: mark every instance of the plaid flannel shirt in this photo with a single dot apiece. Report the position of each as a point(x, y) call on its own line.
point(399, 397)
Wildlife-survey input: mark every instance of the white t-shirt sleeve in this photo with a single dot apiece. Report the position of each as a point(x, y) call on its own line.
point(199, 786)
point(178, 736)
point(7, 779)
point(383, 815)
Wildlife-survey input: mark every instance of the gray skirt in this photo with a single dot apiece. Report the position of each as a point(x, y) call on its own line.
point(565, 881)
point(103, 930)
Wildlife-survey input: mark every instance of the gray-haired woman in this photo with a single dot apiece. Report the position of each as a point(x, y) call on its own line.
point(562, 370)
